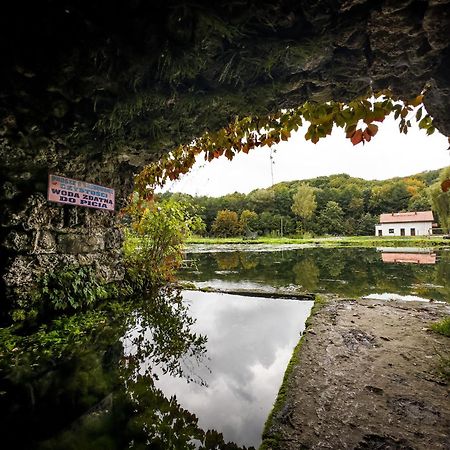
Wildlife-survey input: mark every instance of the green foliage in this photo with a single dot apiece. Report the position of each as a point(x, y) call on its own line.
point(226, 224)
point(443, 327)
point(441, 199)
point(154, 242)
point(248, 221)
point(49, 341)
point(360, 200)
point(331, 219)
point(72, 289)
point(304, 201)
point(75, 288)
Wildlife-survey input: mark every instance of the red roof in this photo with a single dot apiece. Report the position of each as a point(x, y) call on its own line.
point(419, 216)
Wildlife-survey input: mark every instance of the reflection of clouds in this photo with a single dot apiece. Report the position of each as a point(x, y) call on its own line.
point(249, 345)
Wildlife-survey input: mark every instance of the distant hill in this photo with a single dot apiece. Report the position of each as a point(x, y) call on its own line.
point(343, 204)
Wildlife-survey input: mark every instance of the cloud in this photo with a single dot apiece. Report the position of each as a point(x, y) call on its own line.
point(250, 342)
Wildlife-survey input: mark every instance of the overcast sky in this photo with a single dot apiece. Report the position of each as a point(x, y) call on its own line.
point(389, 154)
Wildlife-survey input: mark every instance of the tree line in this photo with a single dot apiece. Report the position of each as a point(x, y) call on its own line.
point(333, 205)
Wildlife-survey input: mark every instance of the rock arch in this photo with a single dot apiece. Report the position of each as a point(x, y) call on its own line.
point(96, 90)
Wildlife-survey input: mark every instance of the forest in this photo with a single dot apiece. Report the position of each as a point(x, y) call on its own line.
point(326, 205)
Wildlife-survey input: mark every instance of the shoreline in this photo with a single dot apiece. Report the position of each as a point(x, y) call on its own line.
point(365, 374)
point(346, 241)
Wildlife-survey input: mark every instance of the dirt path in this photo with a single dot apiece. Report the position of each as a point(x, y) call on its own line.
point(368, 379)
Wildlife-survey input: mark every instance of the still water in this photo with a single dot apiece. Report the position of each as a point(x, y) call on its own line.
point(187, 369)
point(250, 342)
point(347, 272)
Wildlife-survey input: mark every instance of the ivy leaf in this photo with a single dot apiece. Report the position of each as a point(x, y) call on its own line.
point(416, 101)
point(357, 137)
point(350, 130)
point(425, 122)
point(229, 154)
point(366, 135)
point(419, 114)
point(372, 129)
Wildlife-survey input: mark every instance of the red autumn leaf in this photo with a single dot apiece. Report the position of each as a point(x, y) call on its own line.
point(315, 139)
point(357, 137)
point(366, 135)
point(372, 129)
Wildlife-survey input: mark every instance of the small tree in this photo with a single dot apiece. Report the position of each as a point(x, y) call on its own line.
point(304, 202)
point(154, 241)
point(248, 221)
point(226, 224)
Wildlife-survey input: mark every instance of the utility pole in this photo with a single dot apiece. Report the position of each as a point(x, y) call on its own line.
point(271, 164)
point(281, 226)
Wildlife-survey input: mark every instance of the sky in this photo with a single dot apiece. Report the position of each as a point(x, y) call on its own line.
point(389, 154)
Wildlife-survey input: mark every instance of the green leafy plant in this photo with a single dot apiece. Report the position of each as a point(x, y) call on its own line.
point(154, 241)
point(71, 289)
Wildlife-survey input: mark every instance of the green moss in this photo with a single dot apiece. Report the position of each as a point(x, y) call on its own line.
point(271, 441)
point(442, 327)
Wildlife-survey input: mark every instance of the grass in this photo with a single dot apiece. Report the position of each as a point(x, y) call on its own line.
point(343, 241)
point(271, 441)
point(442, 327)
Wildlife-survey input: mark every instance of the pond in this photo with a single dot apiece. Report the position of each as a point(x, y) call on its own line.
point(189, 369)
point(164, 374)
point(347, 272)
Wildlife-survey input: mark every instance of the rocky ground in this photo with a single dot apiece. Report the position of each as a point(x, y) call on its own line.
point(368, 378)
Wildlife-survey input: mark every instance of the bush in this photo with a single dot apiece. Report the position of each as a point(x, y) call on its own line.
point(154, 241)
point(72, 288)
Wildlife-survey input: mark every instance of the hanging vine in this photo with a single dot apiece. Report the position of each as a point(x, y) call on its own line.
point(358, 119)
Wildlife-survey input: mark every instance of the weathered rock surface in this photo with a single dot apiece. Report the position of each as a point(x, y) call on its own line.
point(368, 378)
point(96, 90)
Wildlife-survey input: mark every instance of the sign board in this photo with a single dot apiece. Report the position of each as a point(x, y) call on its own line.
point(79, 193)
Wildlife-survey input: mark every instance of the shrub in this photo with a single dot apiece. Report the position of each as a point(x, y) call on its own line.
point(154, 241)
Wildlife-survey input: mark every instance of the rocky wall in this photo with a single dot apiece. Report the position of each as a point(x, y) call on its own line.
point(96, 90)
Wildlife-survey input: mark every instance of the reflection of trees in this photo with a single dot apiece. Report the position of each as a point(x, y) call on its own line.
point(247, 261)
point(350, 272)
point(306, 274)
point(99, 394)
point(227, 261)
point(442, 275)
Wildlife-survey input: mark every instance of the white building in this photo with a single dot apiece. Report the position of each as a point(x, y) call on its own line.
point(418, 223)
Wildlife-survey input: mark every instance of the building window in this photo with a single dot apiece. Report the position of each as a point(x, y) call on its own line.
point(391, 231)
point(413, 231)
point(380, 233)
point(402, 231)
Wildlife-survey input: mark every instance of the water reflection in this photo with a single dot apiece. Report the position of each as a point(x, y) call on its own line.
point(250, 342)
point(143, 375)
point(408, 256)
point(349, 272)
point(97, 393)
